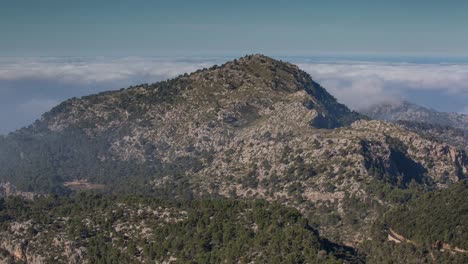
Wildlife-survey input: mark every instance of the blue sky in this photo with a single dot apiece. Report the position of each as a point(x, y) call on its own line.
point(51, 50)
point(176, 27)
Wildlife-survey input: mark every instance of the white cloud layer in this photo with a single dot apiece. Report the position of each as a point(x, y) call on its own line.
point(88, 71)
point(31, 86)
point(362, 84)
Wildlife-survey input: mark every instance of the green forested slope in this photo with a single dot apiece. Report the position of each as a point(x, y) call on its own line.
point(133, 230)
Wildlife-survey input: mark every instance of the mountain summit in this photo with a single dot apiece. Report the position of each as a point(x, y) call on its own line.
point(240, 91)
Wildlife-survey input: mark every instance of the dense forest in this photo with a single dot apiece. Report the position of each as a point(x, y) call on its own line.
point(435, 216)
point(135, 229)
point(138, 229)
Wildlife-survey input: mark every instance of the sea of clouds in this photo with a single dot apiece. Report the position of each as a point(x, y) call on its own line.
point(31, 86)
point(362, 84)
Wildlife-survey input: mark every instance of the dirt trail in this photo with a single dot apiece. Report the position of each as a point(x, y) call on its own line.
point(438, 245)
point(397, 238)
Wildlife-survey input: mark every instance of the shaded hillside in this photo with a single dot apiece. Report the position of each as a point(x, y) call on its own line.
point(451, 128)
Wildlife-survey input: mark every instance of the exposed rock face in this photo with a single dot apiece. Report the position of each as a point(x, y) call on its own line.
point(8, 189)
point(15, 249)
point(254, 127)
point(433, 156)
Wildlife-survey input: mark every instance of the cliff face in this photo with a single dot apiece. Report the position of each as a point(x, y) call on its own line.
point(254, 128)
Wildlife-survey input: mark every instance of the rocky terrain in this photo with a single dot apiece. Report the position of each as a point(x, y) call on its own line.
point(451, 128)
point(453, 136)
point(253, 128)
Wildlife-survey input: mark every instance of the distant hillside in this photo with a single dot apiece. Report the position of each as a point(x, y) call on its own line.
point(454, 136)
point(406, 111)
point(451, 128)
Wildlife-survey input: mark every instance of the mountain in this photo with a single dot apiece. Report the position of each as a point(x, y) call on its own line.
point(451, 128)
point(251, 129)
point(177, 127)
point(453, 136)
point(406, 111)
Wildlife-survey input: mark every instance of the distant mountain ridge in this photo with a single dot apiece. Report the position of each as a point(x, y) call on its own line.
point(451, 128)
point(407, 111)
point(453, 136)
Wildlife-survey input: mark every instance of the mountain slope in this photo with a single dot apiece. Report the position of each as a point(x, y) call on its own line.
point(166, 123)
point(453, 136)
point(251, 128)
point(438, 216)
point(94, 229)
point(451, 128)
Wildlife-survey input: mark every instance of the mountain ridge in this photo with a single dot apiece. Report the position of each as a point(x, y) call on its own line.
point(451, 128)
point(407, 111)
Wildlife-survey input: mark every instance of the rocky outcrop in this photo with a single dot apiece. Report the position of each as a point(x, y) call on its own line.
point(17, 251)
point(8, 189)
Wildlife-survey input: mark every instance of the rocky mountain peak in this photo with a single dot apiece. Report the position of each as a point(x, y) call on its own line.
point(253, 71)
point(241, 91)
